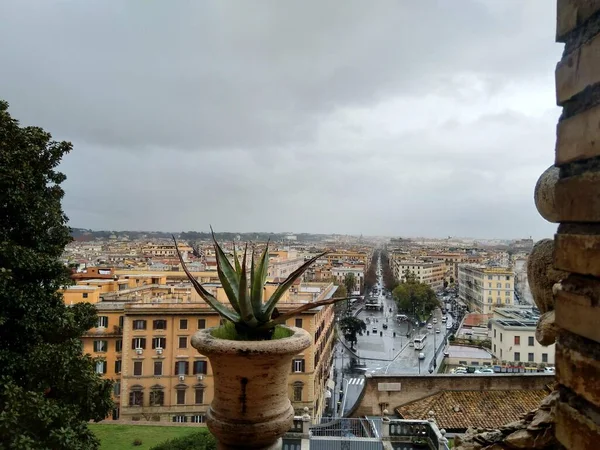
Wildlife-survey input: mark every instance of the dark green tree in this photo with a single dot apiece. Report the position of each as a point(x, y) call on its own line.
point(48, 388)
point(352, 327)
point(350, 283)
point(413, 297)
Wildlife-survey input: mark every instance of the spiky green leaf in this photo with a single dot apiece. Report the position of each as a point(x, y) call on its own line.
point(259, 277)
point(228, 276)
point(246, 311)
point(283, 287)
point(290, 314)
point(207, 296)
point(238, 268)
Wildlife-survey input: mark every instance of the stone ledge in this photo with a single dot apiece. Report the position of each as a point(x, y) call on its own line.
point(577, 198)
point(577, 253)
point(578, 314)
point(577, 70)
point(571, 14)
point(577, 371)
point(574, 430)
point(578, 137)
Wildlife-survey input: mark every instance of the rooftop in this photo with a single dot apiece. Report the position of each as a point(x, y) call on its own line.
point(460, 351)
point(459, 410)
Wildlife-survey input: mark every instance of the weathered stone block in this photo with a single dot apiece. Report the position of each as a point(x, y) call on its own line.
point(578, 198)
point(544, 194)
point(578, 138)
point(578, 371)
point(578, 314)
point(577, 253)
point(572, 13)
point(578, 69)
point(574, 430)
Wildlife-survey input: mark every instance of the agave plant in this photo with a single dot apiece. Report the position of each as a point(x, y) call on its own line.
point(251, 314)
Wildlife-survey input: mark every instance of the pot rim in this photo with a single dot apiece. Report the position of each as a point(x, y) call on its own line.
point(206, 343)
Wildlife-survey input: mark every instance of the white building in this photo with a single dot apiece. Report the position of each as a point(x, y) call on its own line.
point(513, 337)
point(339, 273)
point(426, 272)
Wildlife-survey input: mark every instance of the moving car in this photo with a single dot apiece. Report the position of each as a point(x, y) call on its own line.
point(434, 320)
point(421, 355)
point(374, 329)
point(384, 326)
point(437, 330)
point(429, 326)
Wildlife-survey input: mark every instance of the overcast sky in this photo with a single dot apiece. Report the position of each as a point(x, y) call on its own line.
point(412, 118)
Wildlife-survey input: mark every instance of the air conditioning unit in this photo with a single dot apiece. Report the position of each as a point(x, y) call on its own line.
point(159, 351)
point(181, 377)
point(201, 377)
point(139, 351)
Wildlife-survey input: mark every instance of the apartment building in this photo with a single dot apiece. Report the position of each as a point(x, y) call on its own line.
point(426, 272)
point(513, 338)
point(142, 341)
point(339, 274)
point(484, 288)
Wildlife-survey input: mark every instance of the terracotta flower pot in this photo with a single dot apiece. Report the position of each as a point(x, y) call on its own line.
point(250, 407)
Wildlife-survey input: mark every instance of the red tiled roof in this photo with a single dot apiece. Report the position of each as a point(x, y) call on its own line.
point(458, 410)
point(475, 320)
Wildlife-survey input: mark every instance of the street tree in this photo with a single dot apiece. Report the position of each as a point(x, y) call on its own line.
point(352, 327)
point(49, 389)
point(412, 297)
point(350, 283)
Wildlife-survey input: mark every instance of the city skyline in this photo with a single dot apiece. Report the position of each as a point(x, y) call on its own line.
point(400, 119)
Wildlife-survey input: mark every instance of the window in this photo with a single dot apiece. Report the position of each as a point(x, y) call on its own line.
point(158, 366)
point(507, 285)
point(298, 323)
point(200, 367)
point(494, 332)
point(101, 367)
point(199, 396)
point(85, 295)
point(517, 356)
point(159, 342)
point(517, 340)
point(530, 341)
point(507, 277)
point(137, 368)
point(157, 397)
point(136, 398)
point(298, 392)
point(201, 324)
point(298, 365)
point(489, 277)
point(118, 363)
point(179, 419)
point(200, 418)
point(138, 343)
point(494, 348)
point(119, 345)
point(160, 324)
point(121, 319)
point(181, 396)
point(489, 285)
point(530, 357)
point(139, 324)
point(544, 357)
point(183, 324)
point(182, 341)
point(182, 367)
point(117, 388)
point(102, 321)
point(100, 346)
point(500, 337)
point(498, 285)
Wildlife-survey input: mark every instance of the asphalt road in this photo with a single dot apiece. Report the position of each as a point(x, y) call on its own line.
point(381, 352)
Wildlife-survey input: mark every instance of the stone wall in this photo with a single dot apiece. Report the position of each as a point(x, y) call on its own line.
point(569, 194)
point(393, 391)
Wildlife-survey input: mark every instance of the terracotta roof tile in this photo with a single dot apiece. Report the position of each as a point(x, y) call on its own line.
point(456, 410)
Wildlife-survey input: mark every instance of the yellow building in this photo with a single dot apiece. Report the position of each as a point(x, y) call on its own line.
point(485, 288)
point(426, 272)
point(143, 343)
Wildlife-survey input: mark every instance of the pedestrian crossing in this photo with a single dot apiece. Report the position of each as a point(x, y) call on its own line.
point(357, 381)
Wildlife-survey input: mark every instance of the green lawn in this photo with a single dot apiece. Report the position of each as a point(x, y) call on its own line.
point(121, 437)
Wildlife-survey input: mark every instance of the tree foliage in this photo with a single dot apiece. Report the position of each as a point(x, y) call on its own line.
point(412, 296)
point(48, 387)
point(352, 327)
point(389, 280)
point(350, 282)
point(371, 275)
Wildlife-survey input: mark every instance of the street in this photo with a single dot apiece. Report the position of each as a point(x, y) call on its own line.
point(380, 352)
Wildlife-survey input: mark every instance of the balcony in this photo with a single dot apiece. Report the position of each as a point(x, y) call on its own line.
point(365, 434)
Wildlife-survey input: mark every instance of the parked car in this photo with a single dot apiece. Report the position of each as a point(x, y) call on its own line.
point(485, 370)
point(460, 371)
point(437, 330)
point(434, 320)
point(374, 329)
point(384, 326)
point(549, 369)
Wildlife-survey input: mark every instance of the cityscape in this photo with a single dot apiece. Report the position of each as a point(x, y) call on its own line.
point(300, 225)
